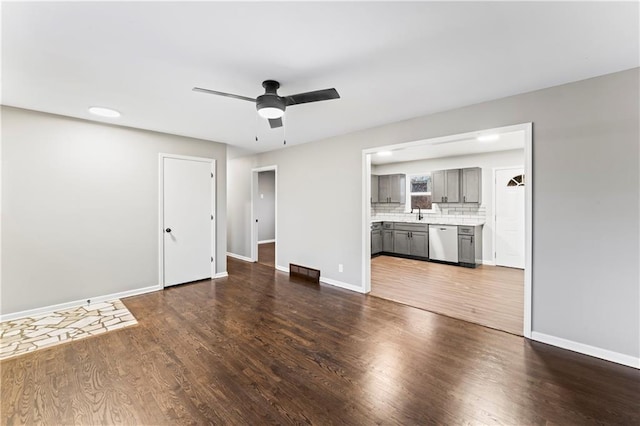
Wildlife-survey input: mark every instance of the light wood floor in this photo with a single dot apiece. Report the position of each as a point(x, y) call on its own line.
point(492, 296)
point(260, 348)
point(267, 254)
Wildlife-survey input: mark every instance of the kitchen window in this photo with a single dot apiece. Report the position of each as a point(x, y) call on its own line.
point(418, 191)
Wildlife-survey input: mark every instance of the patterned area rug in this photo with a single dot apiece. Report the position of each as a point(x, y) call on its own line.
point(25, 335)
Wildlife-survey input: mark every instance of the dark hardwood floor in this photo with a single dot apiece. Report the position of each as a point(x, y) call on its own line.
point(260, 348)
point(267, 254)
point(492, 296)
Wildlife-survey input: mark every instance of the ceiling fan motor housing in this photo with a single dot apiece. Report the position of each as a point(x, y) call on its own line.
point(271, 99)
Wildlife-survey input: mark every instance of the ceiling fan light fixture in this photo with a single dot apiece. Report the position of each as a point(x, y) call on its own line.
point(270, 112)
point(270, 106)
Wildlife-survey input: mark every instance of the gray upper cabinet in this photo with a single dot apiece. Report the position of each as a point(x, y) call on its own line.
point(445, 186)
point(374, 188)
point(391, 188)
point(472, 185)
point(457, 185)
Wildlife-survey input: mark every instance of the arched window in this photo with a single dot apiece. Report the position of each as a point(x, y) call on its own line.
point(516, 181)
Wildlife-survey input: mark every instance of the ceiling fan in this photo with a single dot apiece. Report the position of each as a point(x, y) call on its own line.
point(271, 105)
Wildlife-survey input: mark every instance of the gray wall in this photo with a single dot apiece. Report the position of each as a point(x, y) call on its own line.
point(487, 161)
point(80, 207)
point(266, 205)
point(585, 190)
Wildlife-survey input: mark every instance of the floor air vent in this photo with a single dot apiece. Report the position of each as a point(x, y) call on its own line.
point(309, 274)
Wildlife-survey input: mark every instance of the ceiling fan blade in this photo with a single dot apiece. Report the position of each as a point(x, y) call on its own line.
point(228, 95)
point(315, 96)
point(275, 122)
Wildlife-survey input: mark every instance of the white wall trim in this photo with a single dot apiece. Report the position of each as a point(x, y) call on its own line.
point(69, 305)
point(527, 128)
point(221, 275)
point(266, 241)
point(489, 262)
point(528, 229)
point(239, 257)
point(282, 268)
point(254, 197)
point(582, 348)
point(342, 284)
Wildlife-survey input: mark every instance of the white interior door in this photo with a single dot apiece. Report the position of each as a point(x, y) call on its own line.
point(509, 216)
point(187, 221)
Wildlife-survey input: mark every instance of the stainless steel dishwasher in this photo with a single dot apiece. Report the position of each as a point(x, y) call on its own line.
point(443, 243)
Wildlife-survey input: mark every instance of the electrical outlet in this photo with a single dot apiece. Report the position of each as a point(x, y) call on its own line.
point(340, 268)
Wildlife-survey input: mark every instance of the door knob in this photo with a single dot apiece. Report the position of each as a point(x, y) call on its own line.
point(168, 230)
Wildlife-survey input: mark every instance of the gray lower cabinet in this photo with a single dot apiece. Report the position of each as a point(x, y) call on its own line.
point(411, 239)
point(419, 244)
point(401, 242)
point(387, 240)
point(376, 241)
point(469, 245)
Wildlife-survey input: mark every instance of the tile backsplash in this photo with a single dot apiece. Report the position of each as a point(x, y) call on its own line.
point(440, 213)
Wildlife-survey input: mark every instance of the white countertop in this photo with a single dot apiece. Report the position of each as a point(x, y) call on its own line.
point(451, 220)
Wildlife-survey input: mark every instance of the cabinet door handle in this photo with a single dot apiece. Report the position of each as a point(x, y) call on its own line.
point(471, 240)
point(464, 198)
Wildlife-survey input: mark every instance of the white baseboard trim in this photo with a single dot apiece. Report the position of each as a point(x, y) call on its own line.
point(341, 284)
point(266, 241)
point(221, 275)
point(489, 262)
point(282, 268)
point(74, 304)
point(582, 348)
point(239, 257)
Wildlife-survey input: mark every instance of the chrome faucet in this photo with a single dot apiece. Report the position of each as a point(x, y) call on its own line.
point(420, 217)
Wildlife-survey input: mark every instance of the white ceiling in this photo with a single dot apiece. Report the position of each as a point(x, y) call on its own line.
point(389, 61)
point(507, 141)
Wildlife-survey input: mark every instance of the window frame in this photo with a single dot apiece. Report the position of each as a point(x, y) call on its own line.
point(408, 192)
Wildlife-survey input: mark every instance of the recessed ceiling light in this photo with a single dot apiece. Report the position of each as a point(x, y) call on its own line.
point(384, 153)
point(488, 138)
point(104, 112)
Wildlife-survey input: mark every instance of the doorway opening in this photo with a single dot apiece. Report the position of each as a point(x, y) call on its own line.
point(264, 215)
point(428, 271)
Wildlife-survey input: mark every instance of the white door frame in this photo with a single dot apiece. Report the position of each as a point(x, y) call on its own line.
point(493, 218)
point(527, 128)
point(254, 207)
point(161, 157)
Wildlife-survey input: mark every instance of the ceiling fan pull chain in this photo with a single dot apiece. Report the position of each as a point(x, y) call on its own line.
point(255, 125)
point(284, 130)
